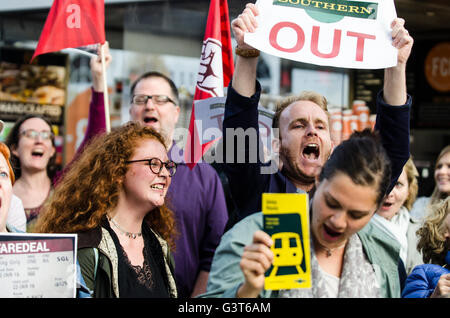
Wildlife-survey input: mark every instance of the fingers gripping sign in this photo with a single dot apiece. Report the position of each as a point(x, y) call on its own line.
point(245, 22)
point(401, 40)
point(256, 260)
point(96, 67)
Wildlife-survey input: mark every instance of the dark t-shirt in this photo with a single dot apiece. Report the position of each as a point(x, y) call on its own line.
point(147, 281)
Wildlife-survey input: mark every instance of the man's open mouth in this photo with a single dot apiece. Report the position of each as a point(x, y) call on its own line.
point(311, 151)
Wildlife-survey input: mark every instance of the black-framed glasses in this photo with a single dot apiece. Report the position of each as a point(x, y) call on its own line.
point(141, 99)
point(34, 134)
point(156, 165)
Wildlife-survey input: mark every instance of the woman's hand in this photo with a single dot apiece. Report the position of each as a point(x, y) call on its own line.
point(442, 287)
point(256, 260)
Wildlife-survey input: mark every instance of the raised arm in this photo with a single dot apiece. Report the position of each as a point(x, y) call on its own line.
point(244, 76)
point(241, 115)
point(394, 90)
point(96, 118)
point(394, 104)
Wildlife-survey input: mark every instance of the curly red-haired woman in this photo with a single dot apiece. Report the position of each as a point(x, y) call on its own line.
point(113, 196)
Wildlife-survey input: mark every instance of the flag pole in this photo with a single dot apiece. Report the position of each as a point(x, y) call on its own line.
point(105, 91)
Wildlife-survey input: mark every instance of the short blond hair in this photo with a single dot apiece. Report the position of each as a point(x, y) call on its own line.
point(311, 96)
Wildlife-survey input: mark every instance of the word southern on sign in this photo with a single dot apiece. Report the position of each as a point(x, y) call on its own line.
point(340, 33)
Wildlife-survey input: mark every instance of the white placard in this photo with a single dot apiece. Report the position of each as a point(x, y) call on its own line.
point(340, 33)
point(37, 265)
point(210, 113)
point(333, 85)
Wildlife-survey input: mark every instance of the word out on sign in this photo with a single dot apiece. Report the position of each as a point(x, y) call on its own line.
point(301, 38)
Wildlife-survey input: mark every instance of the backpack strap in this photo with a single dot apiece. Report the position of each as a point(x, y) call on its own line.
point(95, 267)
point(96, 262)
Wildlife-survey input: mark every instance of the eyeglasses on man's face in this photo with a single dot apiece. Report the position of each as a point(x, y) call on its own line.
point(156, 165)
point(34, 134)
point(141, 99)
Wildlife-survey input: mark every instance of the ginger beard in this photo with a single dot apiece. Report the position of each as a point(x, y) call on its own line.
point(304, 163)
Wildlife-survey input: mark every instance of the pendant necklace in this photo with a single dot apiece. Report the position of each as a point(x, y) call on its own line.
point(128, 234)
point(330, 250)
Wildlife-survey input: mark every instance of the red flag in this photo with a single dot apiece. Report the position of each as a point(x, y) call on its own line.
point(72, 24)
point(215, 72)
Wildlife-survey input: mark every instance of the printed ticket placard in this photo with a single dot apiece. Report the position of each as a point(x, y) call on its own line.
point(286, 220)
point(37, 265)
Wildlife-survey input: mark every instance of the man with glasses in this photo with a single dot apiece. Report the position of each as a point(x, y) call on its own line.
point(154, 102)
point(196, 196)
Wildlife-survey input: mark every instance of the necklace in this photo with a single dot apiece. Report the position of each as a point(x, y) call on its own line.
point(330, 250)
point(122, 231)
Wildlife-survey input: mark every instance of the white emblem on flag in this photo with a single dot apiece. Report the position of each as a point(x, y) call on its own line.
point(210, 74)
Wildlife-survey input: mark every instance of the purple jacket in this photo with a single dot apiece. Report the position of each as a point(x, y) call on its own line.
point(197, 198)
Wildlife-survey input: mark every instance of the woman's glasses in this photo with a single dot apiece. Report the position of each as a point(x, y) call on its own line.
point(156, 165)
point(34, 134)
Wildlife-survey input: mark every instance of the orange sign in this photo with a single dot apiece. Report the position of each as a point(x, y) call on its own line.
point(437, 67)
point(76, 122)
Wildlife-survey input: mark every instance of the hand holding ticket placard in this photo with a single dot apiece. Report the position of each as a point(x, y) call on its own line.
point(37, 265)
point(340, 33)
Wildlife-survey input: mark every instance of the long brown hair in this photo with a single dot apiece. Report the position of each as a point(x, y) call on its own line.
point(431, 234)
point(90, 188)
